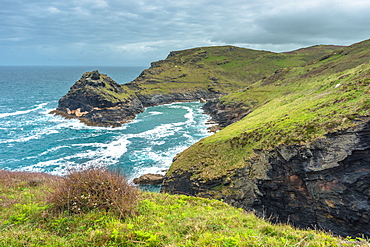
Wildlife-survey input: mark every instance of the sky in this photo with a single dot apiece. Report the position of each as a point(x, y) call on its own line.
point(138, 32)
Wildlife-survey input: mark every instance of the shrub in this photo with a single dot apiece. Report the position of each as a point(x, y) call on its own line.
point(94, 188)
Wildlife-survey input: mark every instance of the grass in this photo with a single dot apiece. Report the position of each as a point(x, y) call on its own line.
point(225, 68)
point(27, 219)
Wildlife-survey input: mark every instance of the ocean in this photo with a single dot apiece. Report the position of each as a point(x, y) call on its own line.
point(33, 140)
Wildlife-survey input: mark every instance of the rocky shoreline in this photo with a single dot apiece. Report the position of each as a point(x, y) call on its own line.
point(222, 114)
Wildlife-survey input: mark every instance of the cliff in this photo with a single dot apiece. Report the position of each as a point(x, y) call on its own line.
point(189, 75)
point(300, 151)
point(323, 184)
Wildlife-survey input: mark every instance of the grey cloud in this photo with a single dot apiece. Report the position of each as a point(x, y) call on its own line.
point(140, 31)
point(310, 24)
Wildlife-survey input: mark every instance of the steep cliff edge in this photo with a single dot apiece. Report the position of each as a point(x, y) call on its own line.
point(301, 153)
point(188, 75)
point(323, 184)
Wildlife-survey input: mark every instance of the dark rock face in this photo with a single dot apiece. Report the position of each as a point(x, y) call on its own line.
point(324, 184)
point(224, 115)
point(160, 99)
point(114, 116)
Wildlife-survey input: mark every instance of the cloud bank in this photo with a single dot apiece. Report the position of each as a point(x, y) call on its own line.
point(115, 32)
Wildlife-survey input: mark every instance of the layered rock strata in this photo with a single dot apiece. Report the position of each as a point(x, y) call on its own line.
point(222, 114)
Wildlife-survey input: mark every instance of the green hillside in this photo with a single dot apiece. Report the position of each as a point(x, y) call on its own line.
point(294, 105)
point(219, 69)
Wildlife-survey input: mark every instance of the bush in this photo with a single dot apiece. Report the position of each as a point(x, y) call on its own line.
point(94, 188)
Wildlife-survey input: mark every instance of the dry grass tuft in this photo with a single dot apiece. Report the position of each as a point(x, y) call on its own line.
point(94, 188)
point(15, 179)
point(14, 185)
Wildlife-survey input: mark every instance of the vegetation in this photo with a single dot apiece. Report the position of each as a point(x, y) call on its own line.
point(292, 106)
point(27, 218)
point(94, 188)
point(222, 69)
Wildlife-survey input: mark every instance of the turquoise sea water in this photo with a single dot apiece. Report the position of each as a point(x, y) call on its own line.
point(31, 139)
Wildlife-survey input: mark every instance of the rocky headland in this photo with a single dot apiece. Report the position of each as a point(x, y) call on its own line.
point(153, 179)
point(296, 146)
point(294, 142)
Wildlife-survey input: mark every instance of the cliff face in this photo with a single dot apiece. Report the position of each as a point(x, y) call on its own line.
point(325, 183)
point(224, 114)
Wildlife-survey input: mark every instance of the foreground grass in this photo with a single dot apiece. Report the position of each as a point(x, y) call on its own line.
point(26, 219)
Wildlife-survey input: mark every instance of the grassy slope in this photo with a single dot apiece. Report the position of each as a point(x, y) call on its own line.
point(161, 220)
point(293, 106)
point(109, 93)
point(223, 69)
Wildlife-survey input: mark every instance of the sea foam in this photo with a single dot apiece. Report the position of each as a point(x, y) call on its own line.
point(39, 106)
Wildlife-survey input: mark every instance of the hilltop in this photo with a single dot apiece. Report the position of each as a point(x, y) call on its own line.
point(220, 69)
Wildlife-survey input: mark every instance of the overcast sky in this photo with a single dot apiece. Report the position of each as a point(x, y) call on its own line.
point(137, 32)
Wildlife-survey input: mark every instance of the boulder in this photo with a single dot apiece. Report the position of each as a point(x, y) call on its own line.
point(153, 179)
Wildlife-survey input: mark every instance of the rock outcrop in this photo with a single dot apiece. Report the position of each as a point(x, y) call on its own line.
point(98, 100)
point(160, 99)
point(323, 184)
point(224, 115)
point(153, 179)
